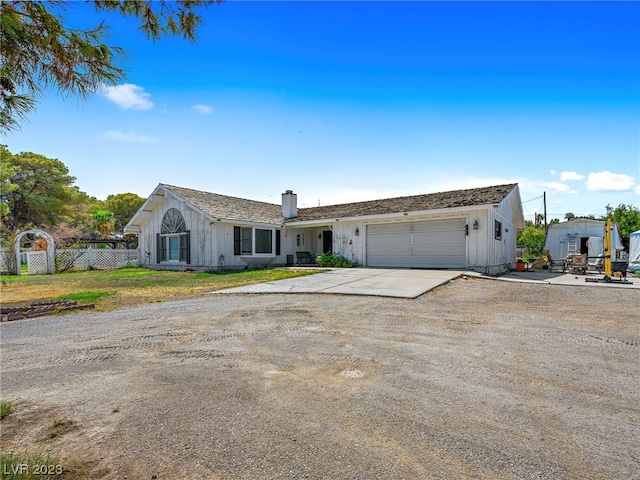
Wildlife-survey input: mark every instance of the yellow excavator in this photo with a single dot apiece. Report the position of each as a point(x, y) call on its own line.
point(608, 267)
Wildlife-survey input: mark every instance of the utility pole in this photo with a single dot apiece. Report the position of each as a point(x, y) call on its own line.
point(544, 197)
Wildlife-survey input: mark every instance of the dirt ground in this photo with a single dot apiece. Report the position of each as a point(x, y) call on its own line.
point(478, 379)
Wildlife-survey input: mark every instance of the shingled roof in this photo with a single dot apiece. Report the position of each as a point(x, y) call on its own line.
point(230, 208)
point(241, 209)
point(429, 201)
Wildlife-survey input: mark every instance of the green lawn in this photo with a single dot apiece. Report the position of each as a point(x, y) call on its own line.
point(111, 289)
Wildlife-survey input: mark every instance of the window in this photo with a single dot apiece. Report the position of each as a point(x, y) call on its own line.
point(263, 241)
point(173, 241)
point(173, 222)
point(245, 238)
point(255, 241)
point(174, 248)
point(498, 230)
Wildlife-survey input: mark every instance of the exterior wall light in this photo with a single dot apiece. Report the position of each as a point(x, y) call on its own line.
point(475, 225)
point(357, 232)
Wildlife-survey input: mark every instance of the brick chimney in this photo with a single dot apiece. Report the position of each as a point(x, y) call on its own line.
point(289, 204)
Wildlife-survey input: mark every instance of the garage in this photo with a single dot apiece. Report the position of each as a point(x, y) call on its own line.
point(428, 244)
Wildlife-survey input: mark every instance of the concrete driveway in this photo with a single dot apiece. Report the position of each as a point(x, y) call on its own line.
point(400, 283)
point(406, 283)
point(565, 278)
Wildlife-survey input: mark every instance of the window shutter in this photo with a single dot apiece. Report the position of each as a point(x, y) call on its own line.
point(189, 246)
point(161, 246)
point(277, 242)
point(236, 241)
point(185, 247)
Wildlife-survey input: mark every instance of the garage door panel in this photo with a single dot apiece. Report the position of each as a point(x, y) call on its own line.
point(434, 250)
point(389, 261)
point(436, 226)
point(428, 244)
point(389, 240)
point(382, 250)
point(389, 228)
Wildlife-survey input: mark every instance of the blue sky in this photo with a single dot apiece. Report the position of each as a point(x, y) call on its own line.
point(348, 101)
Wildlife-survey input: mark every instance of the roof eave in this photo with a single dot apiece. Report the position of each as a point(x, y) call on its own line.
point(138, 220)
point(384, 216)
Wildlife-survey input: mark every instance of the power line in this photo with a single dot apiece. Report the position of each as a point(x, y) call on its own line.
point(527, 201)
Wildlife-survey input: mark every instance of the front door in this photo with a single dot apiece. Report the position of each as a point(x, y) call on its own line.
point(327, 241)
point(584, 245)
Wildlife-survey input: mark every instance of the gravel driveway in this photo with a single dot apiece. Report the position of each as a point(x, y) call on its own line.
point(478, 379)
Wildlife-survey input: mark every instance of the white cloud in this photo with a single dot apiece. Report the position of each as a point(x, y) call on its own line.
point(553, 173)
point(560, 187)
point(129, 96)
point(564, 176)
point(610, 182)
point(206, 109)
point(637, 189)
point(130, 136)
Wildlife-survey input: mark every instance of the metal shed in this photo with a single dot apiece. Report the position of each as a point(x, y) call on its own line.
point(580, 236)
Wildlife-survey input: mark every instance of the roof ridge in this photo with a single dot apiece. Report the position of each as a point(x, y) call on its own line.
point(170, 187)
point(362, 202)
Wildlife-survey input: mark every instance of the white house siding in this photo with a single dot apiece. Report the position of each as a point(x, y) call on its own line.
point(482, 252)
point(487, 254)
point(201, 235)
point(209, 240)
point(501, 252)
point(224, 245)
point(477, 256)
point(212, 239)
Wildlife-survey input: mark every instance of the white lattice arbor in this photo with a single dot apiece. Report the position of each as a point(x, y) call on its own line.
point(44, 265)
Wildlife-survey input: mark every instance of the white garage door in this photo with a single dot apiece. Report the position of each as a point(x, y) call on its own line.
point(431, 244)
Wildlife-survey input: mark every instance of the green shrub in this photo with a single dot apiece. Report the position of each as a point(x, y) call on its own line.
point(334, 260)
point(5, 409)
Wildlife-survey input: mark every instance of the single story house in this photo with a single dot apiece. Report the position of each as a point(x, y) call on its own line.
point(581, 236)
point(181, 228)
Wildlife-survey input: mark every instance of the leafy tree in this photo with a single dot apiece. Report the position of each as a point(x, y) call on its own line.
point(39, 50)
point(569, 216)
point(124, 206)
point(37, 191)
point(532, 237)
point(103, 222)
point(628, 219)
point(539, 219)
